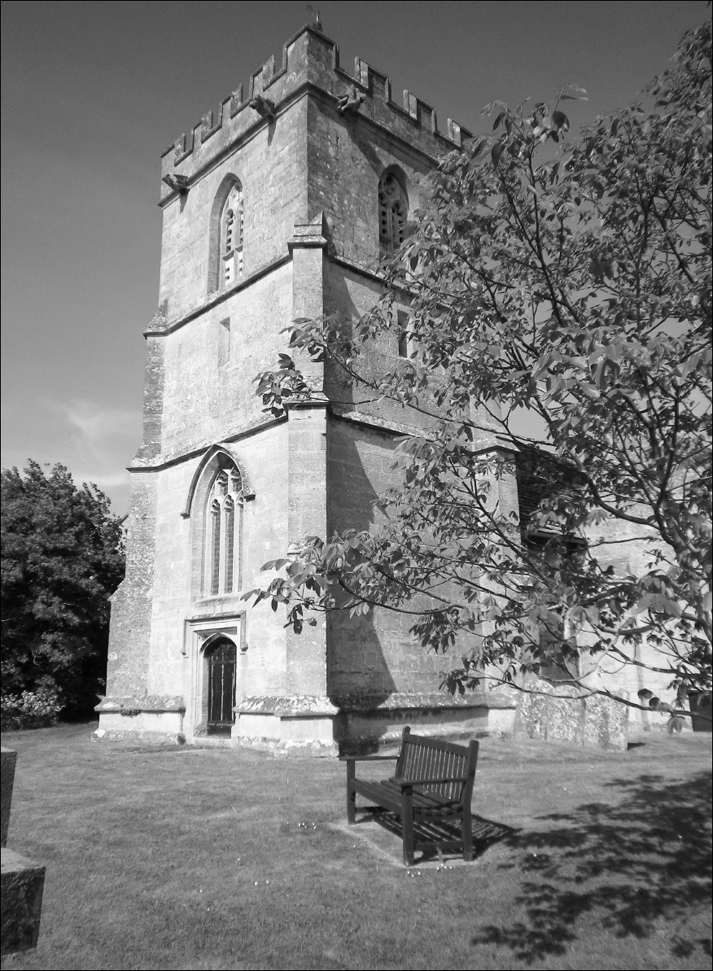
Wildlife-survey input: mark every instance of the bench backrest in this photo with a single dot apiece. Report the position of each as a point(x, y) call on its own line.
point(426, 758)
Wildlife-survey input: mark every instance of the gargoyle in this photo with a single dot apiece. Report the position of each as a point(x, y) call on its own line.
point(350, 102)
point(177, 183)
point(264, 106)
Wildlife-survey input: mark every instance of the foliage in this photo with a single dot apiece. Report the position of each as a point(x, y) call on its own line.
point(62, 557)
point(559, 312)
point(30, 709)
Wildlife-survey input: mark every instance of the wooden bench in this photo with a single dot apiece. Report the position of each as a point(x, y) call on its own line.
point(433, 781)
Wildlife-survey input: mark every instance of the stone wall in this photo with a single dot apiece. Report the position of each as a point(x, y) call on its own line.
point(345, 143)
point(211, 362)
point(560, 712)
point(271, 168)
point(620, 545)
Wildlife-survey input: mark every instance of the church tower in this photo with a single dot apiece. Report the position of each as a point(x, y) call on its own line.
point(278, 205)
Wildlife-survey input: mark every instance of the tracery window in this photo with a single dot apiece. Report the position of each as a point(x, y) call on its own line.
point(231, 237)
point(393, 210)
point(222, 567)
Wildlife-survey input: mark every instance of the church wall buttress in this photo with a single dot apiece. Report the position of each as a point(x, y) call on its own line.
point(130, 632)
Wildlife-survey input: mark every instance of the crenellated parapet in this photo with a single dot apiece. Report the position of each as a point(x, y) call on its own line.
point(310, 62)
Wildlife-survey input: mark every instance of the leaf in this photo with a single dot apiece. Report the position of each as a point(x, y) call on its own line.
point(275, 564)
point(497, 151)
point(659, 603)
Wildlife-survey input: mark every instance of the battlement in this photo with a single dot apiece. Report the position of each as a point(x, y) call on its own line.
point(309, 60)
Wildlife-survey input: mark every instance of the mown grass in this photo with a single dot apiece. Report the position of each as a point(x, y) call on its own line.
point(215, 859)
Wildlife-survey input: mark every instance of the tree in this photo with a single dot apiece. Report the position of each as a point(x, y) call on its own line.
point(62, 556)
point(559, 306)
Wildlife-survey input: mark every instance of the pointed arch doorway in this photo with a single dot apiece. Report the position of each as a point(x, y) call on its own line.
point(220, 658)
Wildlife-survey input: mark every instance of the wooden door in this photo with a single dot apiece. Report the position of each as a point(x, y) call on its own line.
point(221, 687)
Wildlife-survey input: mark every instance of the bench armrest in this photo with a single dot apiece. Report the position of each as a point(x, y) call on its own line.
point(411, 783)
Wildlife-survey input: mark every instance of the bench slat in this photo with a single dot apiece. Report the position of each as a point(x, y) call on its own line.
point(388, 795)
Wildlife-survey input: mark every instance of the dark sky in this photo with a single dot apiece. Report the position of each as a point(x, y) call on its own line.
point(94, 92)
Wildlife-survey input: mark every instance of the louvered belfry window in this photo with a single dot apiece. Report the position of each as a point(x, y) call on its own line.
point(393, 209)
point(223, 534)
point(231, 237)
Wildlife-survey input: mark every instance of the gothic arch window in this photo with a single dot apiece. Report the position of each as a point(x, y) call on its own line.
point(231, 237)
point(393, 211)
point(221, 574)
point(227, 235)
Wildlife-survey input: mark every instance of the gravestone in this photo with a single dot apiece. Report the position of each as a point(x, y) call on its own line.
point(7, 765)
point(22, 880)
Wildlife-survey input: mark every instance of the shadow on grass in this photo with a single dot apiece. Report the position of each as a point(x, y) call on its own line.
point(625, 866)
point(485, 832)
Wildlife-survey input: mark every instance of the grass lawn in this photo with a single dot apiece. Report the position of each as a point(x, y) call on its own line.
point(218, 858)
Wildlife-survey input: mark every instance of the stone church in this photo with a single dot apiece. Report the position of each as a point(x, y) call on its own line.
point(278, 205)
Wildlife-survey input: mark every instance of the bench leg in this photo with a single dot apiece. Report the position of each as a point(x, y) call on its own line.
point(467, 830)
point(351, 794)
point(407, 824)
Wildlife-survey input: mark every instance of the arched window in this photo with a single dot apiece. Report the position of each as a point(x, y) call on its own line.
point(222, 542)
point(214, 556)
point(231, 237)
point(393, 210)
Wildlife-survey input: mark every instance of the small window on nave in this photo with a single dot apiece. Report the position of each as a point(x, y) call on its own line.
point(393, 210)
point(231, 237)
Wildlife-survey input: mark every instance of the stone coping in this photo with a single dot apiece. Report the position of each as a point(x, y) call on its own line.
point(291, 706)
point(133, 704)
point(307, 706)
point(400, 700)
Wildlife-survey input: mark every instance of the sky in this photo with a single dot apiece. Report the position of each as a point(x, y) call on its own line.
point(93, 93)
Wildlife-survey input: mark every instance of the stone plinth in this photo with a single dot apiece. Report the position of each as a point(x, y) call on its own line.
point(303, 723)
point(366, 724)
point(147, 717)
point(564, 713)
